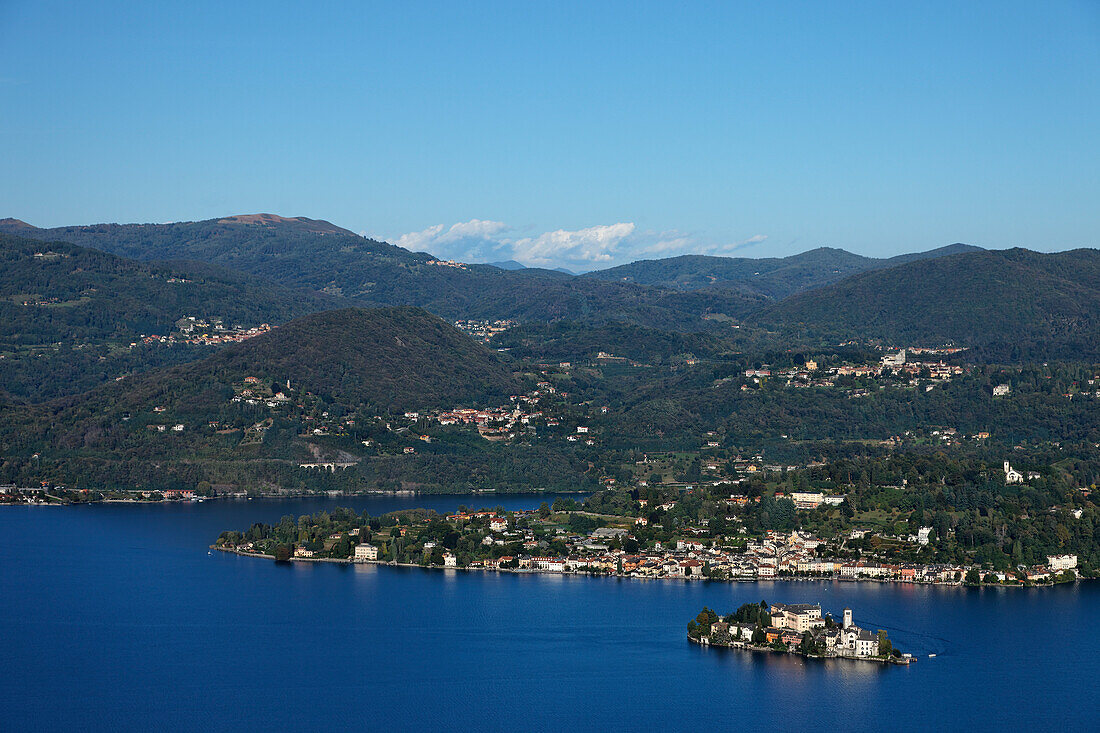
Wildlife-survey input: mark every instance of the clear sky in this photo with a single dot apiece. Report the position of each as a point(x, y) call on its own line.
point(578, 134)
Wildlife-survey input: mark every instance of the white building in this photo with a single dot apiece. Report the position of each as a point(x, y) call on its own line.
point(366, 552)
point(1059, 563)
point(923, 534)
point(894, 359)
point(1001, 390)
point(799, 616)
point(806, 499)
point(1012, 476)
point(450, 560)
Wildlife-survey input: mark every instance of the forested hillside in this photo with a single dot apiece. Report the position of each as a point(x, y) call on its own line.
point(386, 359)
point(261, 400)
point(56, 291)
point(774, 277)
point(1010, 305)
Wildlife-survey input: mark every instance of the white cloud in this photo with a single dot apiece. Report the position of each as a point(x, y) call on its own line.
point(594, 247)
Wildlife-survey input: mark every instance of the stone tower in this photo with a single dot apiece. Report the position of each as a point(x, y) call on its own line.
point(847, 617)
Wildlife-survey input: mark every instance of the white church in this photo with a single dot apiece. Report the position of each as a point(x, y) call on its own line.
point(1012, 476)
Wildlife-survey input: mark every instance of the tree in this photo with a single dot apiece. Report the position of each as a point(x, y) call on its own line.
point(544, 510)
point(758, 636)
point(973, 577)
point(884, 645)
point(282, 553)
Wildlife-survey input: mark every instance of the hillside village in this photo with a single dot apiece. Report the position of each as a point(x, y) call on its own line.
point(907, 366)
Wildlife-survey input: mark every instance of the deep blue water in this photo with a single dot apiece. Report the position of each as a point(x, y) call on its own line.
point(115, 617)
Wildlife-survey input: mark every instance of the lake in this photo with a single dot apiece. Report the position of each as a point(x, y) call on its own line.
point(116, 617)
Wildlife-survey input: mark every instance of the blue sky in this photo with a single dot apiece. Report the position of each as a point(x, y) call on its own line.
point(574, 134)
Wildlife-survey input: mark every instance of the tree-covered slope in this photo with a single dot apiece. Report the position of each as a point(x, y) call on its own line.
point(775, 277)
point(59, 292)
point(383, 358)
point(1012, 304)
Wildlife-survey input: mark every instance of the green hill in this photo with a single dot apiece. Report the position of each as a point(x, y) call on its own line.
point(312, 389)
point(1013, 305)
point(774, 277)
point(69, 314)
point(56, 291)
point(383, 359)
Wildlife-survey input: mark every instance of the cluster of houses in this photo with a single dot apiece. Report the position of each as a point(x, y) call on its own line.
point(899, 365)
point(524, 414)
point(204, 332)
point(484, 331)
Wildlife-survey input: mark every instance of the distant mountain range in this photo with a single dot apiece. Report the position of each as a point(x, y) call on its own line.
point(509, 265)
point(1010, 304)
point(513, 265)
point(323, 257)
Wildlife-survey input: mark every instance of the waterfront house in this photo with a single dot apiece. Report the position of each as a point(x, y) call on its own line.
point(1057, 563)
point(366, 552)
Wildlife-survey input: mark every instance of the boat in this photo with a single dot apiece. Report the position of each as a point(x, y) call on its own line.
point(931, 655)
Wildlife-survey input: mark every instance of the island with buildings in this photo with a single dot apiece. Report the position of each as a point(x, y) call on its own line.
point(798, 628)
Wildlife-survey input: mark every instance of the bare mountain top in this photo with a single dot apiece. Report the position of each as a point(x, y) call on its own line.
point(319, 226)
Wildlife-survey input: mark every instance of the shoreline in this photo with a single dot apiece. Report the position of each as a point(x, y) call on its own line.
point(525, 571)
point(322, 495)
point(741, 646)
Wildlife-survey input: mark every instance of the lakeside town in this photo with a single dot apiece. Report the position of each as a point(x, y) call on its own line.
point(798, 628)
point(569, 540)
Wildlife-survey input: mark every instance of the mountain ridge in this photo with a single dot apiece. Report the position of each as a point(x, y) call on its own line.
point(775, 277)
point(373, 273)
point(1011, 305)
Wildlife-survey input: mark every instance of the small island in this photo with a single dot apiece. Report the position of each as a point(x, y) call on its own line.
point(793, 629)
